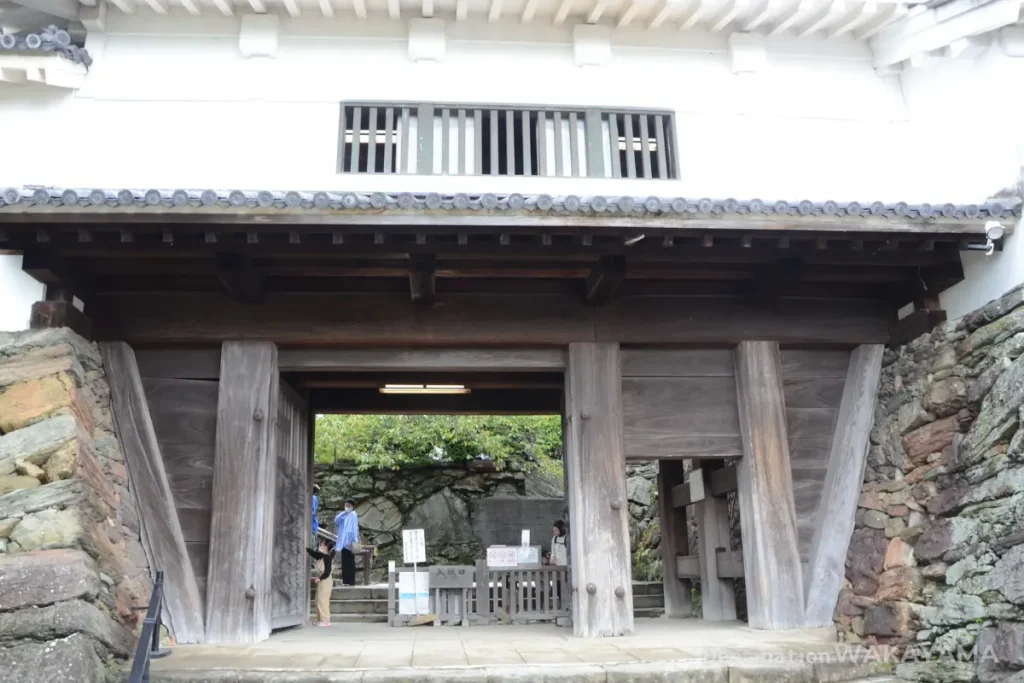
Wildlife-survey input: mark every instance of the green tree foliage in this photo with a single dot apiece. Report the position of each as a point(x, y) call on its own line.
point(525, 442)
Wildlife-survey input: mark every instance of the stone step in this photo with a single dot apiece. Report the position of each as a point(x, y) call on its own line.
point(648, 588)
point(648, 612)
point(646, 601)
point(353, 618)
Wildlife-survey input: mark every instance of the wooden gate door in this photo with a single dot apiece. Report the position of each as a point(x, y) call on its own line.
point(290, 606)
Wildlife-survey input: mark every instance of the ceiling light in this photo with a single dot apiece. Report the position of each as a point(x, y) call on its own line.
point(424, 389)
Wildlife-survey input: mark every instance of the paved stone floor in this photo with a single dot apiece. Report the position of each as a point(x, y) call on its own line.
point(364, 652)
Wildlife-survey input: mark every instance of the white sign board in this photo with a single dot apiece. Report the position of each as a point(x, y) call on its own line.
point(414, 548)
point(391, 566)
point(413, 593)
point(502, 557)
point(528, 554)
point(526, 538)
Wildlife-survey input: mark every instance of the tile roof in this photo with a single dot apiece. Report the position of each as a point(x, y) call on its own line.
point(184, 199)
point(51, 39)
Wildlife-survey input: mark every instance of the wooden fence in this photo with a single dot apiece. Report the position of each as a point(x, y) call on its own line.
point(509, 596)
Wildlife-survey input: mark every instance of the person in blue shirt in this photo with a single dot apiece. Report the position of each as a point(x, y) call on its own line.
point(348, 541)
point(316, 504)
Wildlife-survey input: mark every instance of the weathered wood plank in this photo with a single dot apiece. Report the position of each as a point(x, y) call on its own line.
point(179, 363)
point(390, 320)
point(161, 531)
point(842, 485)
point(640, 362)
point(729, 563)
point(680, 417)
point(290, 603)
point(771, 556)
point(688, 566)
point(238, 592)
point(718, 483)
point(602, 587)
point(814, 363)
point(718, 595)
point(421, 360)
point(678, 600)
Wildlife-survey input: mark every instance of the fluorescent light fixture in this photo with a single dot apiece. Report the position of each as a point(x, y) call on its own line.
point(424, 389)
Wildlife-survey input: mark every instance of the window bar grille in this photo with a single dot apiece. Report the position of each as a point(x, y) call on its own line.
point(659, 134)
point(613, 135)
point(558, 144)
point(389, 124)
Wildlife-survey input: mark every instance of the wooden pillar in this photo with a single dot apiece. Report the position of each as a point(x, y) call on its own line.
point(833, 525)
point(678, 598)
point(162, 536)
point(238, 592)
point(596, 469)
point(771, 557)
point(717, 595)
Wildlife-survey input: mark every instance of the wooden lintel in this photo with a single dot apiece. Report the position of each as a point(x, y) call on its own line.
point(772, 279)
point(422, 279)
point(50, 314)
point(478, 402)
point(844, 475)
point(52, 269)
point(604, 280)
point(161, 530)
point(722, 481)
point(729, 563)
point(240, 277)
point(687, 566)
point(422, 360)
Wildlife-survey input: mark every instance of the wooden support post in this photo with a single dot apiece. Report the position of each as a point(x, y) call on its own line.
point(843, 478)
point(596, 468)
point(718, 596)
point(161, 529)
point(771, 558)
point(238, 599)
point(678, 598)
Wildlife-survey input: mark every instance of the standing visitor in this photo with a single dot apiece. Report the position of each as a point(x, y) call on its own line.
point(323, 580)
point(348, 541)
point(316, 504)
point(559, 557)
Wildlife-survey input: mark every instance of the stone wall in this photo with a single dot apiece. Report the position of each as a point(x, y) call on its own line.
point(936, 561)
point(71, 563)
point(465, 508)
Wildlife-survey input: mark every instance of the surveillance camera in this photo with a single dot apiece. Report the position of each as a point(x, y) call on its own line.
point(994, 230)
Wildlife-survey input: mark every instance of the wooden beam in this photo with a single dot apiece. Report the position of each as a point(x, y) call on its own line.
point(674, 542)
point(772, 279)
point(771, 554)
point(422, 360)
point(729, 563)
point(179, 363)
point(54, 314)
point(718, 596)
point(161, 529)
point(238, 589)
point(240, 277)
point(422, 278)
point(688, 566)
point(717, 483)
point(479, 402)
point(841, 490)
point(596, 468)
point(52, 269)
point(604, 280)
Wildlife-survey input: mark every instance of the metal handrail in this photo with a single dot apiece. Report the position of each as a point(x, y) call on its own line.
point(149, 640)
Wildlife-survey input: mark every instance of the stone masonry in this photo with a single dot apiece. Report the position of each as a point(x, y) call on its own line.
point(936, 562)
point(71, 563)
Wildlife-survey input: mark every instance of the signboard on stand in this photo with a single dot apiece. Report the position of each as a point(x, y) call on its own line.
point(414, 547)
point(413, 592)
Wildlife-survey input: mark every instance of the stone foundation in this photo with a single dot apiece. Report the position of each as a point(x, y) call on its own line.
point(936, 562)
point(72, 567)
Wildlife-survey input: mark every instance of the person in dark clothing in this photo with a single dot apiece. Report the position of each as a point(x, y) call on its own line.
point(348, 540)
point(323, 580)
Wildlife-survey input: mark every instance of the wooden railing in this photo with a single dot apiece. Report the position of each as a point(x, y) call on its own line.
point(510, 596)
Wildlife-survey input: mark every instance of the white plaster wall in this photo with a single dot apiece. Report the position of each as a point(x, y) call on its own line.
point(18, 292)
point(987, 127)
point(170, 102)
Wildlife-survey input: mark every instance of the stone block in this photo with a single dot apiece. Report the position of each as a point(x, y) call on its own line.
point(46, 577)
point(67, 660)
point(37, 442)
point(894, 527)
point(898, 554)
point(952, 609)
point(898, 583)
point(49, 529)
point(930, 438)
point(946, 397)
point(888, 620)
point(39, 363)
point(1007, 576)
point(998, 418)
point(51, 496)
point(64, 619)
point(666, 672)
point(26, 403)
point(16, 482)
